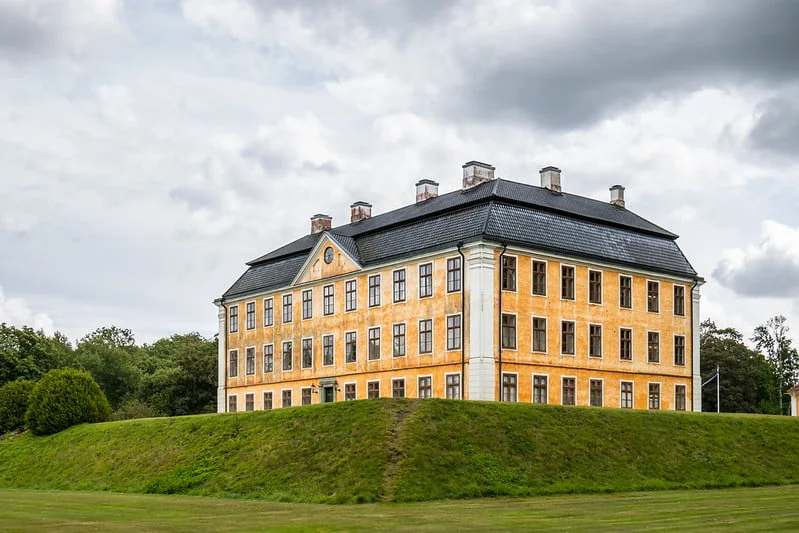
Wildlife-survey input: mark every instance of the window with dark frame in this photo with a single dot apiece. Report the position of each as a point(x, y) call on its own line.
point(349, 392)
point(307, 304)
point(567, 338)
point(652, 296)
point(233, 318)
point(267, 401)
point(374, 344)
point(374, 291)
point(594, 340)
point(328, 302)
point(679, 397)
point(508, 273)
point(540, 389)
point(269, 358)
point(250, 315)
point(287, 308)
point(307, 353)
point(288, 362)
point(627, 394)
point(425, 280)
point(539, 334)
point(508, 331)
point(626, 344)
point(249, 401)
point(625, 292)
point(540, 278)
point(249, 357)
point(351, 295)
point(569, 391)
point(567, 282)
point(509, 383)
point(594, 286)
point(426, 336)
point(454, 276)
point(231, 404)
point(679, 300)
point(286, 398)
point(653, 347)
point(654, 395)
point(399, 340)
point(351, 347)
point(679, 350)
point(269, 312)
point(372, 390)
point(328, 355)
point(233, 364)
point(399, 285)
point(426, 387)
point(595, 392)
point(307, 394)
point(454, 332)
point(453, 386)
point(397, 388)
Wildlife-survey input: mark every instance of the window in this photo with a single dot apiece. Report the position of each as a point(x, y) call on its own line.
point(454, 274)
point(269, 358)
point(539, 334)
point(287, 308)
point(234, 318)
point(351, 295)
point(626, 344)
point(594, 286)
point(327, 350)
point(654, 395)
point(286, 398)
point(269, 312)
point(595, 392)
point(287, 355)
point(540, 278)
point(509, 387)
point(594, 340)
point(397, 388)
point(569, 389)
point(374, 343)
point(627, 394)
point(679, 397)
point(267, 401)
point(307, 353)
point(373, 390)
point(399, 285)
point(249, 357)
point(454, 332)
point(426, 280)
point(509, 331)
point(399, 340)
point(626, 292)
point(679, 350)
point(426, 387)
point(307, 304)
point(567, 282)
point(306, 396)
point(374, 290)
point(567, 338)
point(653, 347)
point(652, 296)
point(426, 336)
point(350, 347)
point(679, 300)
point(453, 386)
point(249, 399)
point(349, 392)
point(539, 389)
point(328, 305)
point(508, 273)
point(250, 315)
point(231, 404)
point(233, 364)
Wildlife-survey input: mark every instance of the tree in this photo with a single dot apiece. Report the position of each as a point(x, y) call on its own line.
point(109, 355)
point(14, 397)
point(28, 354)
point(64, 398)
point(772, 338)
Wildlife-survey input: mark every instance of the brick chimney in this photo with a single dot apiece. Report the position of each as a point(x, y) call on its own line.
point(550, 179)
point(320, 223)
point(360, 211)
point(426, 189)
point(475, 173)
point(617, 195)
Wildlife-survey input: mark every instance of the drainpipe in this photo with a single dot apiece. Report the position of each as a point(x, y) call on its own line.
point(463, 319)
point(226, 352)
point(499, 314)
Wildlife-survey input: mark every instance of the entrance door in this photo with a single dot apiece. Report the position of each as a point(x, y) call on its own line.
point(329, 393)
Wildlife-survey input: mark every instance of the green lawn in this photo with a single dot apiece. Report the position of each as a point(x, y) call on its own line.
point(743, 509)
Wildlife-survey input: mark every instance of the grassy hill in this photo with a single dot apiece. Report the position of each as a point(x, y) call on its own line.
point(406, 450)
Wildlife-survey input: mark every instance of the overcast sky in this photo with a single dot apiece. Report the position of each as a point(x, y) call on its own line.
point(149, 148)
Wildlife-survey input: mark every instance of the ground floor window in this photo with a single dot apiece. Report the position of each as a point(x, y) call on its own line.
point(231, 404)
point(286, 398)
point(540, 389)
point(569, 391)
point(509, 387)
point(426, 387)
point(249, 402)
point(595, 390)
point(454, 386)
point(267, 400)
point(349, 391)
point(679, 397)
point(397, 388)
point(373, 390)
point(306, 395)
point(627, 394)
point(654, 395)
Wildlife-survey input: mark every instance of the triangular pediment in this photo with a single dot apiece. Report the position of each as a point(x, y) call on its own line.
point(327, 259)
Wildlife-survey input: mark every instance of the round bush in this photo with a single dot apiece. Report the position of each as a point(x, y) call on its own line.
point(14, 398)
point(64, 398)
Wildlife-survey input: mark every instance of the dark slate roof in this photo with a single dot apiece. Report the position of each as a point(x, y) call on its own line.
point(499, 211)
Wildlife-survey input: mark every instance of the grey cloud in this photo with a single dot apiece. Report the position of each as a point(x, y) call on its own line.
point(772, 276)
point(195, 198)
point(777, 128)
point(20, 34)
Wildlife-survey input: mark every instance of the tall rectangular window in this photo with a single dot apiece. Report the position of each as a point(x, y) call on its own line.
point(267, 401)
point(372, 390)
point(231, 404)
point(374, 290)
point(679, 350)
point(567, 338)
point(233, 364)
point(509, 331)
point(351, 295)
point(540, 278)
point(595, 286)
point(595, 392)
point(233, 318)
point(454, 332)
point(653, 347)
point(540, 389)
point(625, 292)
point(679, 397)
point(567, 282)
point(269, 358)
point(349, 392)
point(539, 334)
point(425, 280)
point(286, 398)
point(508, 273)
point(679, 300)
point(399, 340)
point(569, 390)
point(509, 388)
point(626, 344)
point(307, 304)
point(249, 355)
point(351, 347)
point(307, 353)
point(249, 402)
point(595, 340)
point(306, 395)
point(288, 361)
point(426, 336)
point(250, 315)
point(426, 387)
point(374, 343)
point(654, 395)
point(454, 274)
point(328, 355)
point(269, 312)
point(328, 302)
point(453, 386)
point(652, 296)
point(399, 285)
point(397, 388)
point(627, 394)
point(287, 308)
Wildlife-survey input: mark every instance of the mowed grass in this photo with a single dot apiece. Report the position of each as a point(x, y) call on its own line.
point(743, 509)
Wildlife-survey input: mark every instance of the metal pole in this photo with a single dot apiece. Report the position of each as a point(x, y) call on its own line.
point(718, 393)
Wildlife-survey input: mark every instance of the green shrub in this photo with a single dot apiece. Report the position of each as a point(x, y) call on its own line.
point(131, 409)
point(14, 398)
point(64, 398)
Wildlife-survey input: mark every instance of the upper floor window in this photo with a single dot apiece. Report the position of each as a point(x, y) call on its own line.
point(328, 354)
point(425, 280)
point(249, 366)
point(307, 353)
point(269, 312)
point(508, 273)
point(679, 300)
point(652, 296)
point(426, 336)
point(653, 342)
point(540, 278)
point(351, 295)
point(679, 350)
point(288, 356)
point(567, 282)
point(399, 285)
point(374, 290)
point(307, 304)
point(595, 286)
point(626, 292)
point(269, 358)
point(539, 334)
point(374, 343)
point(454, 274)
point(250, 315)
point(567, 338)
point(626, 344)
point(509, 331)
point(351, 347)
point(454, 332)
point(287, 308)
point(233, 364)
point(594, 340)
point(328, 305)
point(233, 318)
point(399, 340)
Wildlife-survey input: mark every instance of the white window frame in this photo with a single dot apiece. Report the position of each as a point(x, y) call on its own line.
point(462, 270)
point(404, 386)
point(227, 407)
point(546, 277)
point(281, 398)
point(674, 403)
point(660, 296)
point(354, 387)
point(345, 347)
point(574, 280)
point(302, 355)
point(254, 315)
point(419, 279)
point(263, 310)
point(516, 257)
point(418, 389)
point(560, 338)
point(263, 405)
point(238, 363)
point(405, 281)
point(601, 380)
point(660, 395)
point(660, 342)
point(246, 394)
point(632, 400)
point(405, 354)
point(355, 310)
point(684, 300)
point(263, 366)
point(502, 386)
point(460, 385)
point(601, 341)
point(532, 334)
point(532, 387)
point(561, 390)
point(632, 344)
point(302, 304)
point(379, 277)
point(419, 337)
point(379, 343)
point(460, 337)
point(255, 361)
point(334, 349)
point(379, 388)
point(632, 291)
point(601, 287)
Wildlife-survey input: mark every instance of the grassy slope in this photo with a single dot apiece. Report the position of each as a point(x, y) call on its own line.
point(407, 450)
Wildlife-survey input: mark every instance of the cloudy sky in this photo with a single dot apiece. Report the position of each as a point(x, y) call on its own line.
point(149, 148)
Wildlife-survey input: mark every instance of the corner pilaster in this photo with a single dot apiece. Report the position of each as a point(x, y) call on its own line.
point(696, 393)
point(221, 316)
point(480, 258)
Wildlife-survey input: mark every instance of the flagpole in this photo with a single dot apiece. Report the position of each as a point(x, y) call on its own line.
point(718, 391)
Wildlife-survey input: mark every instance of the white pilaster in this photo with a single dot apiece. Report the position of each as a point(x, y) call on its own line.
point(794, 402)
point(480, 258)
point(696, 393)
point(221, 400)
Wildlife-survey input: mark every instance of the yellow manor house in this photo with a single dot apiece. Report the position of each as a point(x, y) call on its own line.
point(498, 291)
